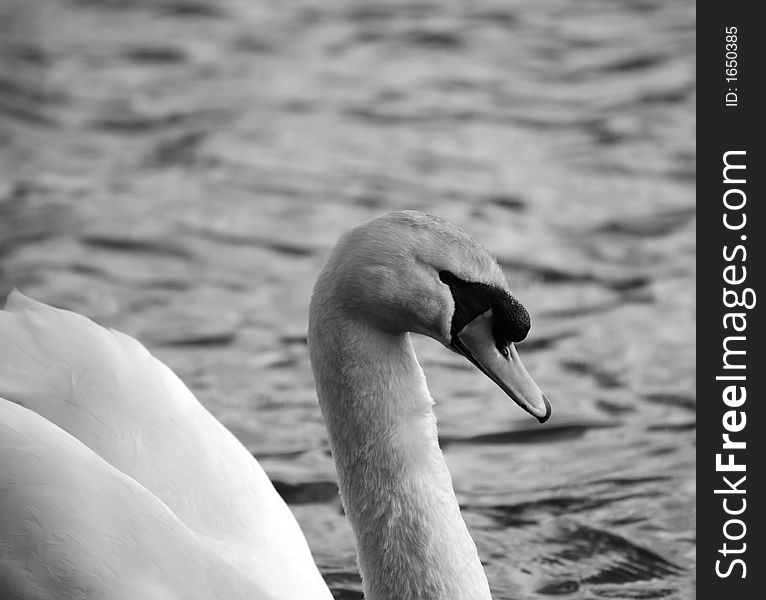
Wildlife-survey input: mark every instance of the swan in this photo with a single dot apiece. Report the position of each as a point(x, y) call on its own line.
point(117, 484)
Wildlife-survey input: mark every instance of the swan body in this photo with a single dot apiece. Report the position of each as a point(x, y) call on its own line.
point(112, 475)
point(115, 483)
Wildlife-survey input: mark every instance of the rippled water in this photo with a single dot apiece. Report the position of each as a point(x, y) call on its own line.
point(178, 169)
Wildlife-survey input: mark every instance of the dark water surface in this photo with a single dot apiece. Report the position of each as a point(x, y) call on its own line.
point(178, 169)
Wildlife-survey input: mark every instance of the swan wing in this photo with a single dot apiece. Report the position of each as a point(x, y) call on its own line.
point(105, 389)
point(73, 526)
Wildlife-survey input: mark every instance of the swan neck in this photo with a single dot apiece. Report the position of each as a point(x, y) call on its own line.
point(397, 491)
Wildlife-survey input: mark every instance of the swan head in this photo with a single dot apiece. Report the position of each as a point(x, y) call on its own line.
point(412, 272)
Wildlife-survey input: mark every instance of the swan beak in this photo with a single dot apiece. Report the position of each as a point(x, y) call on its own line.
point(477, 344)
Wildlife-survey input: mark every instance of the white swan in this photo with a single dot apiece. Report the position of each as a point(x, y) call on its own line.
point(115, 483)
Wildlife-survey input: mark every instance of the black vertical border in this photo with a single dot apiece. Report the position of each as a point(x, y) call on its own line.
point(721, 128)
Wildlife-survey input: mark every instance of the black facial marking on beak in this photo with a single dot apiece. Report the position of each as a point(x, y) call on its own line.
point(510, 322)
point(486, 322)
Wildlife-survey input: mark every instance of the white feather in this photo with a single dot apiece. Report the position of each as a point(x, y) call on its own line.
point(108, 426)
